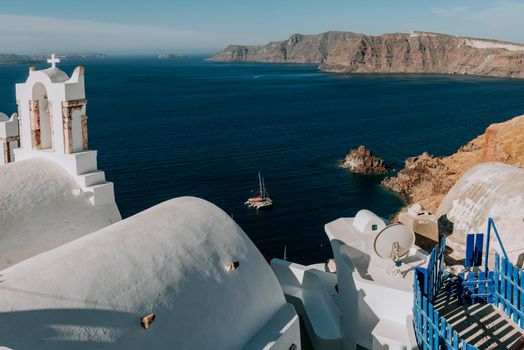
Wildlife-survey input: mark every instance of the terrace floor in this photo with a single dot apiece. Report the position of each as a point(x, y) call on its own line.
point(481, 325)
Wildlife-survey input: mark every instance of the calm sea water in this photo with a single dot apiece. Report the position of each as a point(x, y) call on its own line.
point(165, 129)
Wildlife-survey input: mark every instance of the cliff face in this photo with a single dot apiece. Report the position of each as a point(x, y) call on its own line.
point(427, 179)
point(417, 52)
point(298, 48)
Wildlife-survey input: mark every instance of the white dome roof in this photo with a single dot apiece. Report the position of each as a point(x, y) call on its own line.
point(42, 208)
point(3, 117)
point(487, 190)
point(168, 260)
point(56, 75)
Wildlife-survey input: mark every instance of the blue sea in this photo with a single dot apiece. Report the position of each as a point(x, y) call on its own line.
point(189, 127)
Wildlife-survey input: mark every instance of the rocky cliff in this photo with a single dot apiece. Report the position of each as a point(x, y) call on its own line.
point(427, 179)
point(417, 52)
point(362, 161)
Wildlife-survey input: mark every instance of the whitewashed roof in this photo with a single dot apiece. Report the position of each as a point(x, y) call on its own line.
point(42, 207)
point(169, 260)
point(56, 75)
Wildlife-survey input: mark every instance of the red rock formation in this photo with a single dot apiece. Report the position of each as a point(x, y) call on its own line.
point(425, 173)
point(362, 161)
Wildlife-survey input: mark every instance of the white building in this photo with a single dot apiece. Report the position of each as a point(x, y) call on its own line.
point(76, 276)
point(361, 303)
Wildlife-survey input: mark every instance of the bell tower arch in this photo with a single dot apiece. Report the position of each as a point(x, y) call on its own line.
point(41, 119)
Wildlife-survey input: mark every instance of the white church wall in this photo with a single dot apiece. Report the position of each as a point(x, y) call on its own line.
point(12, 127)
point(77, 131)
point(9, 128)
point(74, 164)
point(46, 134)
point(13, 145)
point(75, 91)
point(101, 194)
point(58, 128)
point(2, 159)
point(25, 131)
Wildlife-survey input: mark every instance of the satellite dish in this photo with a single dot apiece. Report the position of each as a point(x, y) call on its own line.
point(394, 242)
point(391, 236)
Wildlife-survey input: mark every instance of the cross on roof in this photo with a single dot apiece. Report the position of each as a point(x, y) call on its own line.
point(53, 60)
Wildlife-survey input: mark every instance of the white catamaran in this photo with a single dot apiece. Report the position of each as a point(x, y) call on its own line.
point(261, 200)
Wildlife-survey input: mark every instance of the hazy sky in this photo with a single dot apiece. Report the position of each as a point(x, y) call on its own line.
point(128, 26)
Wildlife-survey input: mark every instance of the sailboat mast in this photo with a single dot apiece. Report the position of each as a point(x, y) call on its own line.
point(260, 188)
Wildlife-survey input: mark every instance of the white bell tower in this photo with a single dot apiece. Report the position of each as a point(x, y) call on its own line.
point(52, 111)
point(53, 124)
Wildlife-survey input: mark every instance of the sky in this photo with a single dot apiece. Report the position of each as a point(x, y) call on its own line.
point(187, 26)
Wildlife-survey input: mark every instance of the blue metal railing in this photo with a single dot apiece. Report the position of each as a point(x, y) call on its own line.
point(508, 289)
point(503, 287)
point(491, 225)
point(432, 331)
point(436, 269)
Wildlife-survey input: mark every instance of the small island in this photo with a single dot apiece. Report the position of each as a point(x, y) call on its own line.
point(362, 161)
point(169, 56)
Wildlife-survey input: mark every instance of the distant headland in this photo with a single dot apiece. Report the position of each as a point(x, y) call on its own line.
point(415, 52)
point(7, 58)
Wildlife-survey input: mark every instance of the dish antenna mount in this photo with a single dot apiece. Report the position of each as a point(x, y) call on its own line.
point(394, 242)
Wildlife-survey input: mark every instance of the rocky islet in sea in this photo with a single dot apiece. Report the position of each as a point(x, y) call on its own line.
point(362, 161)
